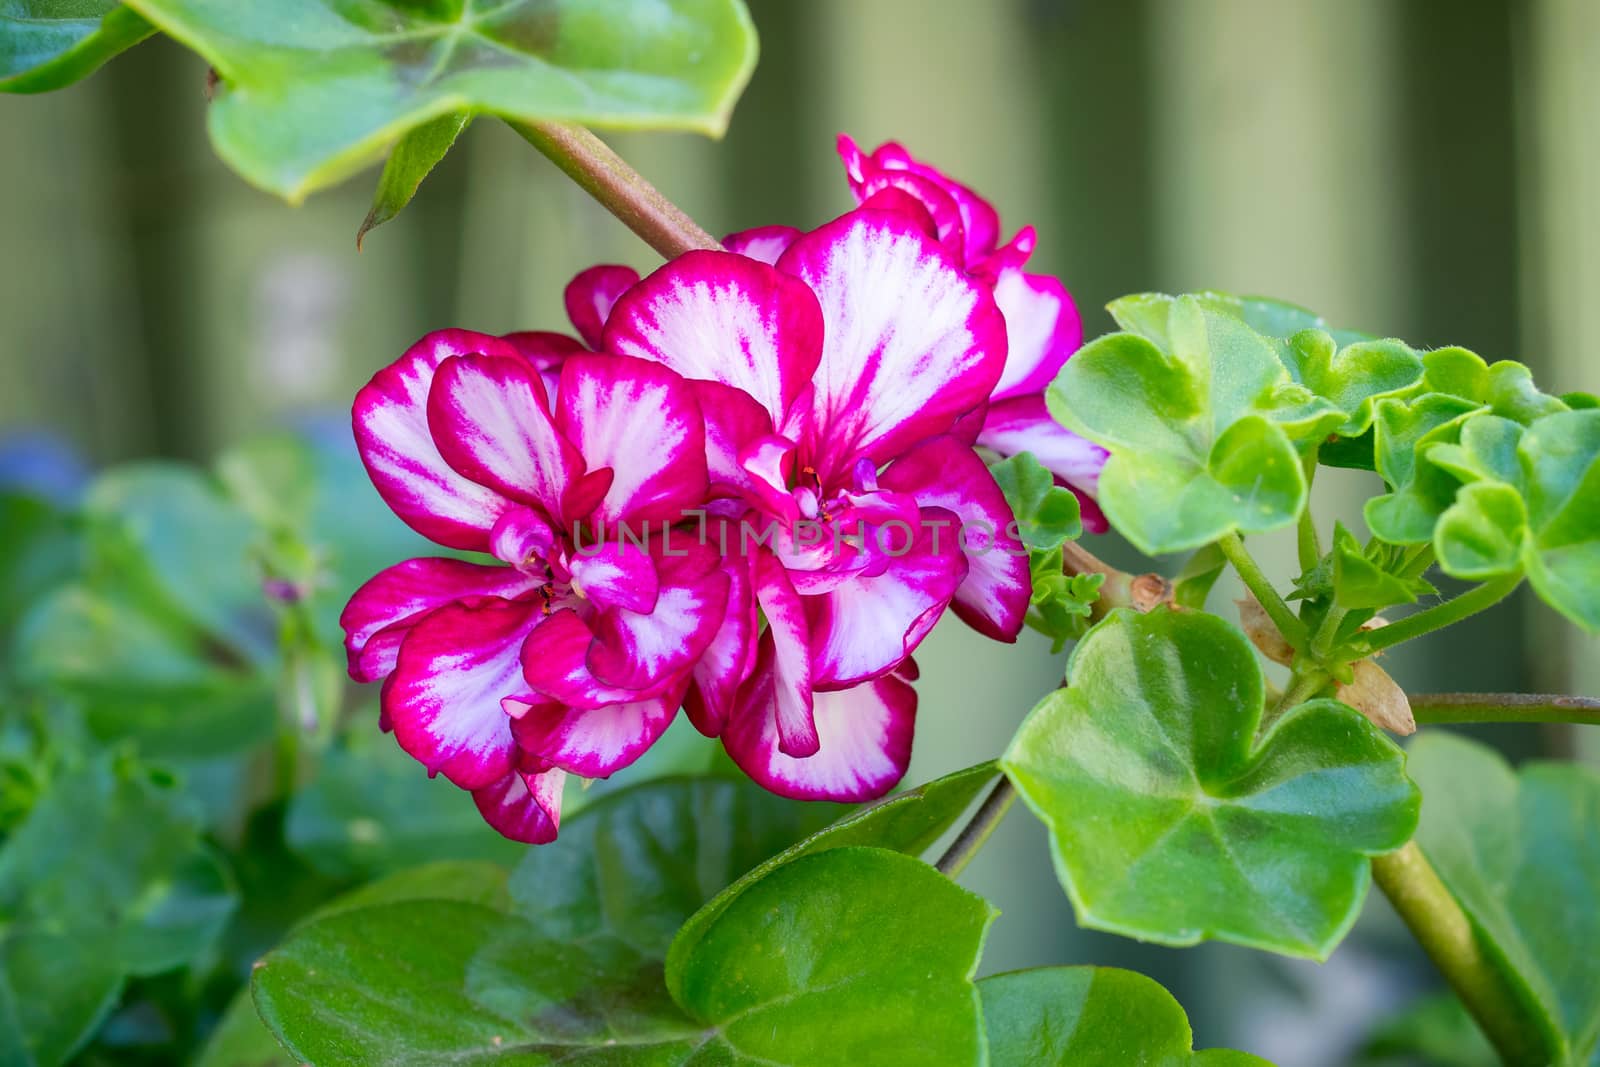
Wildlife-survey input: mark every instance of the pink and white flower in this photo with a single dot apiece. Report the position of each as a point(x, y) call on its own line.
point(573, 652)
point(1042, 322)
point(833, 382)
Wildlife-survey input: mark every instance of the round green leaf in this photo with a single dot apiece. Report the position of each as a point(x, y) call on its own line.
point(1193, 425)
point(1521, 852)
point(1090, 1017)
point(48, 44)
point(828, 960)
point(907, 822)
point(315, 90)
point(1170, 821)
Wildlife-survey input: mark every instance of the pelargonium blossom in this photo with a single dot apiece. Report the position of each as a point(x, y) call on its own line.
point(574, 653)
point(1042, 321)
point(832, 383)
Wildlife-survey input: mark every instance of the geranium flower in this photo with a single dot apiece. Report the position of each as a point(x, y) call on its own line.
point(461, 440)
point(832, 386)
point(1042, 322)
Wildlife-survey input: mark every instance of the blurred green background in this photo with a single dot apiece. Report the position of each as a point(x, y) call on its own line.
point(1428, 169)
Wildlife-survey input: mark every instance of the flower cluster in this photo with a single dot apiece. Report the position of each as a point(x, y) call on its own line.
point(650, 489)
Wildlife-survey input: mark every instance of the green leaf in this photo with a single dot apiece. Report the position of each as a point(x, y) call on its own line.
point(1419, 490)
point(1200, 572)
point(1061, 604)
point(1190, 422)
point(907, 822)
point(1435, 1028)
point(39, 549)
point(1520, 853)
point(418, 152)
point(1170, 821)
point(1352, 378)
point(314, 90)
point(1532, 503)
point(371, 811)
point(152, 521)
point(1089, 1017)
point(241, 1039)
point(106, 878)
point(48, 44)
point(812, 965)
point(828, 960)
point(1047, 514)
point(1360, 579)
point(1506, 387)
point(142, 679)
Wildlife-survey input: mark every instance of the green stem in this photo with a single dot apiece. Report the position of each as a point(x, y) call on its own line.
point(1303, 685)
point(1418, 563)
point(977, 831)
point(1308, 540)
point(605, 176)
point(1445, 933)
point(1503, 707)
point(1439, 616)
point(1289, 625)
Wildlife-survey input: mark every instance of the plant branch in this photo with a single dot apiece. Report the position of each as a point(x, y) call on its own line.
point(622, 190)
point(1503, 707)
point(1307, 540)
point(1445, 933)
point(1289, 625)
point(1439, 616)
point(977, 831)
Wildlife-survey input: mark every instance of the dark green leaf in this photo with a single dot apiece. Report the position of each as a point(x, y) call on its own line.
point(138, 678)
point(371, 810)
point(1089, 1017)
point(907, 822)
point(828, 960)
point(1047, 514)
point(105, 879)
point(48, 44)
point(1435, 1028)
point(1170, 821)
point(1521, 852)
point(39, 549)
point(168, 527)
point(314, 90)
point(418, 152)
point(1196, 428)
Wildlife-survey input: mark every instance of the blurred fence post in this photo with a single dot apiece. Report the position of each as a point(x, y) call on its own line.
point(1559, 95)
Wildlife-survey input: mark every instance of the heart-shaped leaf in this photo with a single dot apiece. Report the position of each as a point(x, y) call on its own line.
point(48, 44)
point(1090, 1017)
point(1170, 821)
point(824, 961)
point(1193, 422)
point(1521, 852)
point(1532, 503)
point(418, 152)
point(314, 90)
point(906, 822)
point(1419, 490)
